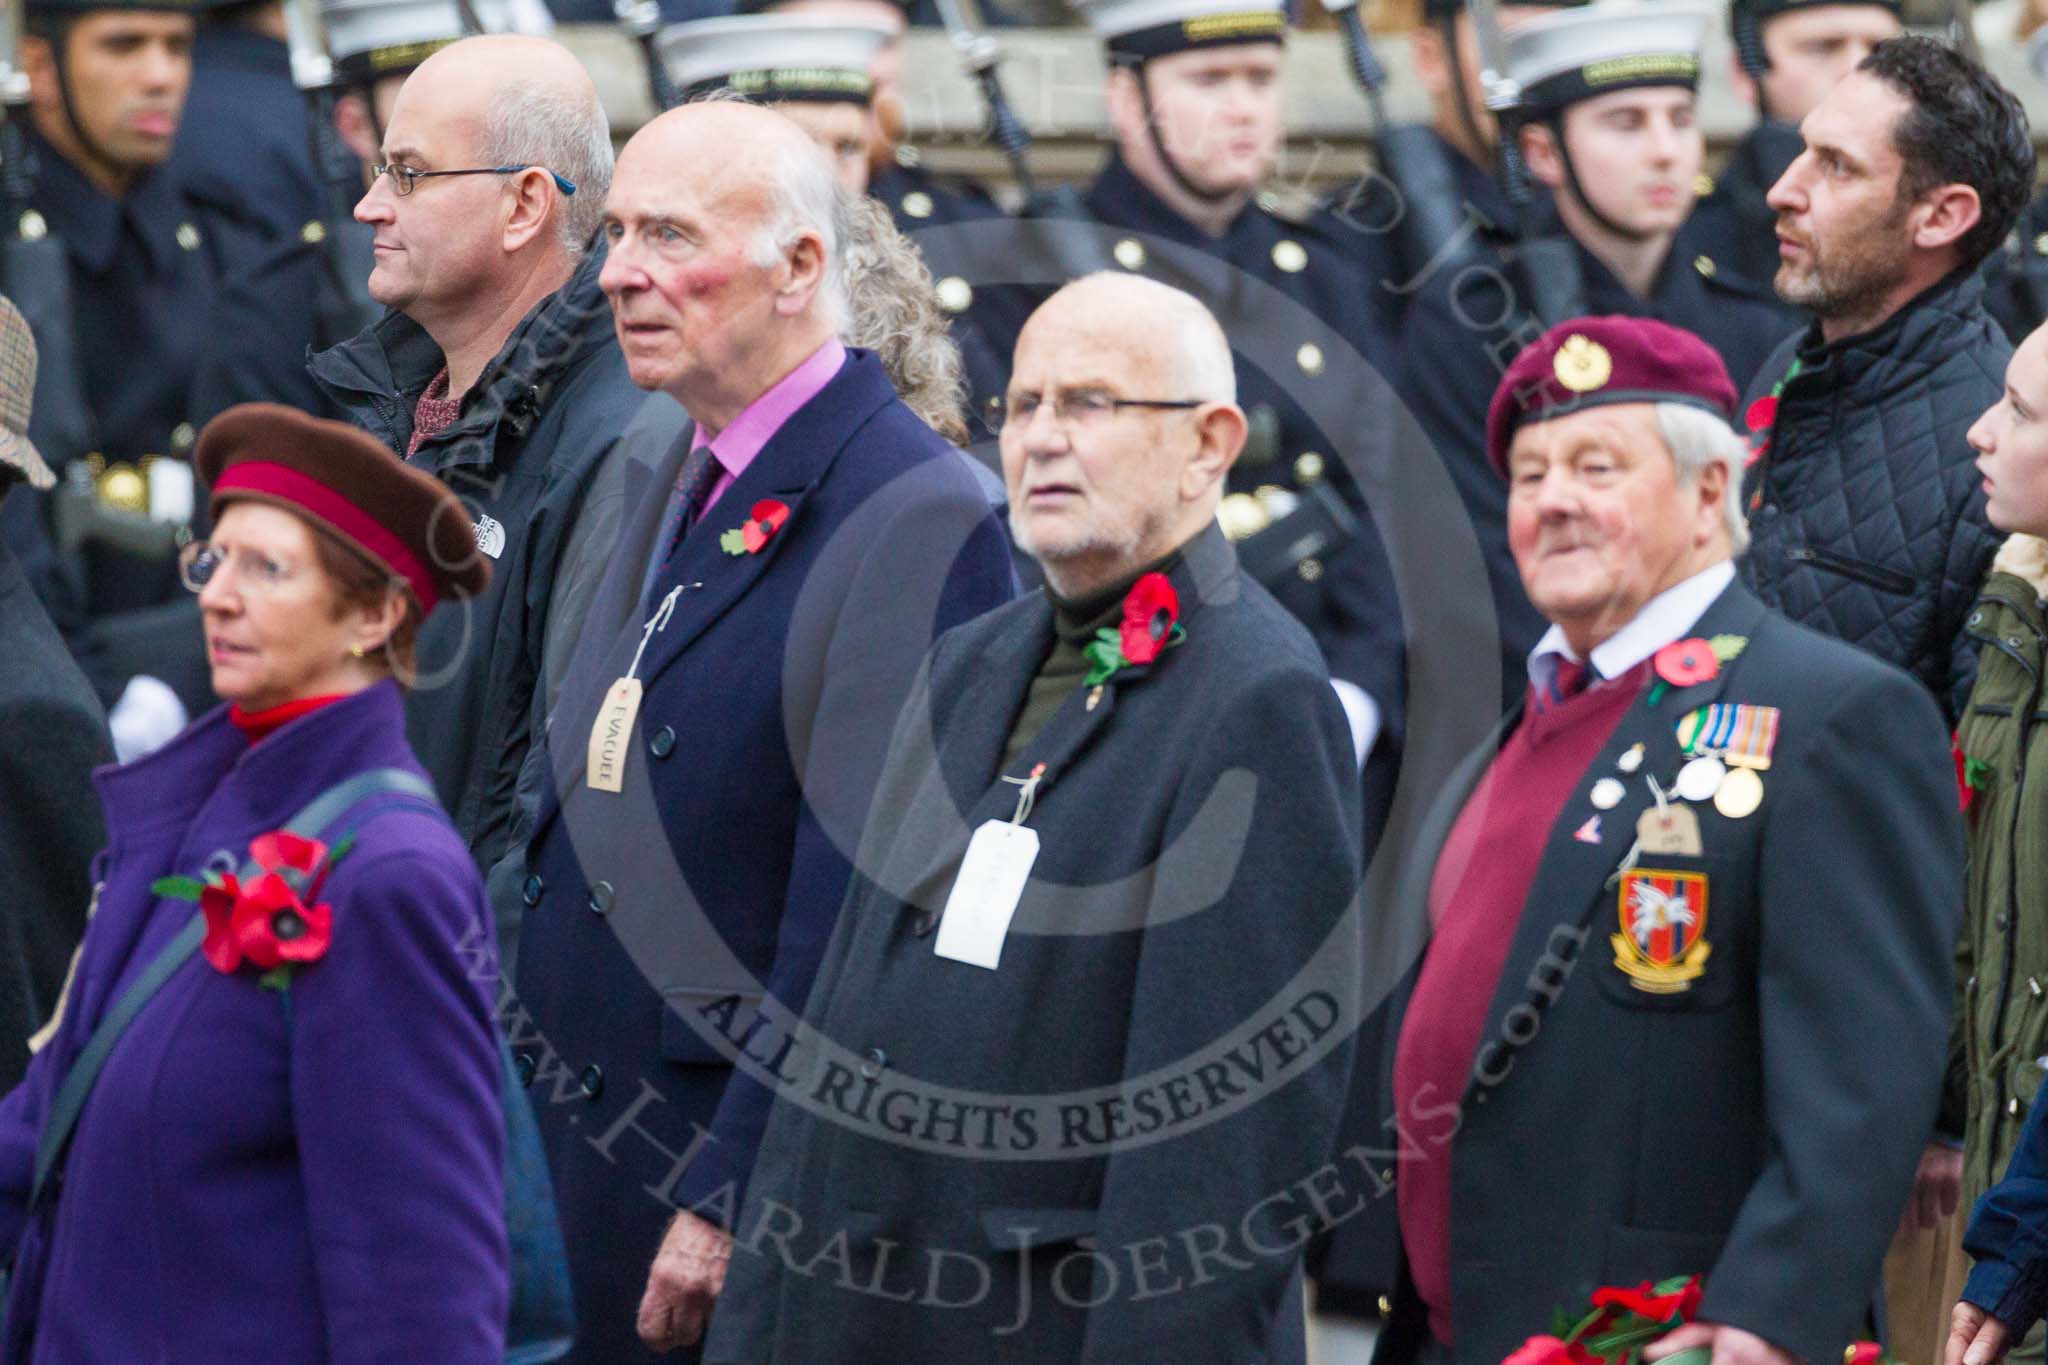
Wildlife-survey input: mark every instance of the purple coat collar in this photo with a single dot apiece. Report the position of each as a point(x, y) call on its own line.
point(213, 766)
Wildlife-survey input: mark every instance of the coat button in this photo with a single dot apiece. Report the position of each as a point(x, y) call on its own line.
point(1386, 1306)
point(926, 922)
point(2012, 1106)
point(530, 892)
point(591, 1082)
point(2034, 985)
point(1310, 569)
point(872, 1064)
point(523, 1068)
point(601, 898)
point(662, 742)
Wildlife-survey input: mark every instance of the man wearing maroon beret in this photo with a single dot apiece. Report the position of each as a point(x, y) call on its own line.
point(1684, 1001)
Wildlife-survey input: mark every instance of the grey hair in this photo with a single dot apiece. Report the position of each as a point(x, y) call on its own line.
point(805, 196)
point(893, 310)
point(564, 129)
point(1697, 439)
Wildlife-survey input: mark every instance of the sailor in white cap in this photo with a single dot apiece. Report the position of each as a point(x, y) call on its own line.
point(816, 70)
point(1605, 119)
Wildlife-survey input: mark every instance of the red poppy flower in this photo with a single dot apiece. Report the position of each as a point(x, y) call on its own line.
point(1687, 662)
point(763, 522)
point(283, 851)
point(1151, 609)
point(1644, 1301)
point(1863, 1353)
point(1540, 1351)
point(1761, 414)
point(264, 924)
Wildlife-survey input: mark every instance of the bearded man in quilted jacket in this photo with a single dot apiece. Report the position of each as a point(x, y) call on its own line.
point(1866, 509)
point(1867, 513)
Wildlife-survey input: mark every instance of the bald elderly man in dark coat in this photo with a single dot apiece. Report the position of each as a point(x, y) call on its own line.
point(1080, 1042)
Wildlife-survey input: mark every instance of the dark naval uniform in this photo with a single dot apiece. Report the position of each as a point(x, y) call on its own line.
point(269, 317)
point(1732, 224)
point(917, 199)
point(144, 271)
point(2016, 276)
point(921, 202)
point(1378, 207)
point(243, 137)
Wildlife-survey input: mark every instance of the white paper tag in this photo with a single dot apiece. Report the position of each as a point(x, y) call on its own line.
point(605, 765)
point(985, 894)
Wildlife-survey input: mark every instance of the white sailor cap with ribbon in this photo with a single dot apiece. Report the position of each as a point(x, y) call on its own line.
point(1575, 54)
point(773, 57)
point(371, 39)
point(1135, 30)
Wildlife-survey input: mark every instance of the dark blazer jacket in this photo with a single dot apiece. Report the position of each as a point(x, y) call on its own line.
point(719, 869)
point(52, 735)
point(1198, 830)
point(1761, 1127)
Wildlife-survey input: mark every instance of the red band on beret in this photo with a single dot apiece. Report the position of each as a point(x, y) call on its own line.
point(273, 481)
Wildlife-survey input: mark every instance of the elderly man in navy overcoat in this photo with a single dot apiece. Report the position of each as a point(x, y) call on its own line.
point(772, 592)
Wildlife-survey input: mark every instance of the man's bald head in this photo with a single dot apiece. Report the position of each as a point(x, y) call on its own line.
point(727, 231)
point(517, 100)
point(1122, 424)
point(1163, 328)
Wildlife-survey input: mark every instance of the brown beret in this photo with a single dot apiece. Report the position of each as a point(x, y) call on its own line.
point(348, 484)
point(1589, 361)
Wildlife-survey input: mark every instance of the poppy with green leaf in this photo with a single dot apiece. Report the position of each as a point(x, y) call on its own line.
point(1151, 623)
point(276, 922)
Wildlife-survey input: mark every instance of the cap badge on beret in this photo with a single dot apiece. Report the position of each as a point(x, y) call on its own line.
point(1582, 364)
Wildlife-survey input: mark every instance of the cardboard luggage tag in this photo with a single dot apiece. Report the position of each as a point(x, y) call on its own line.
point(604, 767)
point(990, 884)
point(1669, 831)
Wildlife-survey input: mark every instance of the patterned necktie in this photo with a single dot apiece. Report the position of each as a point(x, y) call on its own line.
point(1568, 678)
point(693, 485)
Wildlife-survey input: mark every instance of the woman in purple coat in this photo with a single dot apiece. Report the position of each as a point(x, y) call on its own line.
point(293, 1151)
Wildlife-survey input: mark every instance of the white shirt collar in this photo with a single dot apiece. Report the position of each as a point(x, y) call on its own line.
point(1668, 616)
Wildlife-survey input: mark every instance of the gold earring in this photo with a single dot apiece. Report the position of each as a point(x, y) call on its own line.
point(356, 650)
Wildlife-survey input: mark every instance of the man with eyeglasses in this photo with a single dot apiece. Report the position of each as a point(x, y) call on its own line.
point(1044, 1146)
point(494, 368)
point(300, 293)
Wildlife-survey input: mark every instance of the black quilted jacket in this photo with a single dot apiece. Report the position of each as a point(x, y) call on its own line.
point(1866, 509)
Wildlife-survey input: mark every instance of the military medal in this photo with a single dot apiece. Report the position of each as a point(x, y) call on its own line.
point(1701, 778)
point(1740, 794)
point(1741, 736)
point(1607, 793)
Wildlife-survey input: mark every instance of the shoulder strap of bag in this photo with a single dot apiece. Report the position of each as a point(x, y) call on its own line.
point(320, 813)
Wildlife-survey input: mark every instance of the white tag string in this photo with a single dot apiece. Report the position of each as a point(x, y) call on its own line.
point(1657, 791)
point(658, 622)
point(1027, 796)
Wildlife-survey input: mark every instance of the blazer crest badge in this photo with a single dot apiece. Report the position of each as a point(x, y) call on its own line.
point(1662, 947)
